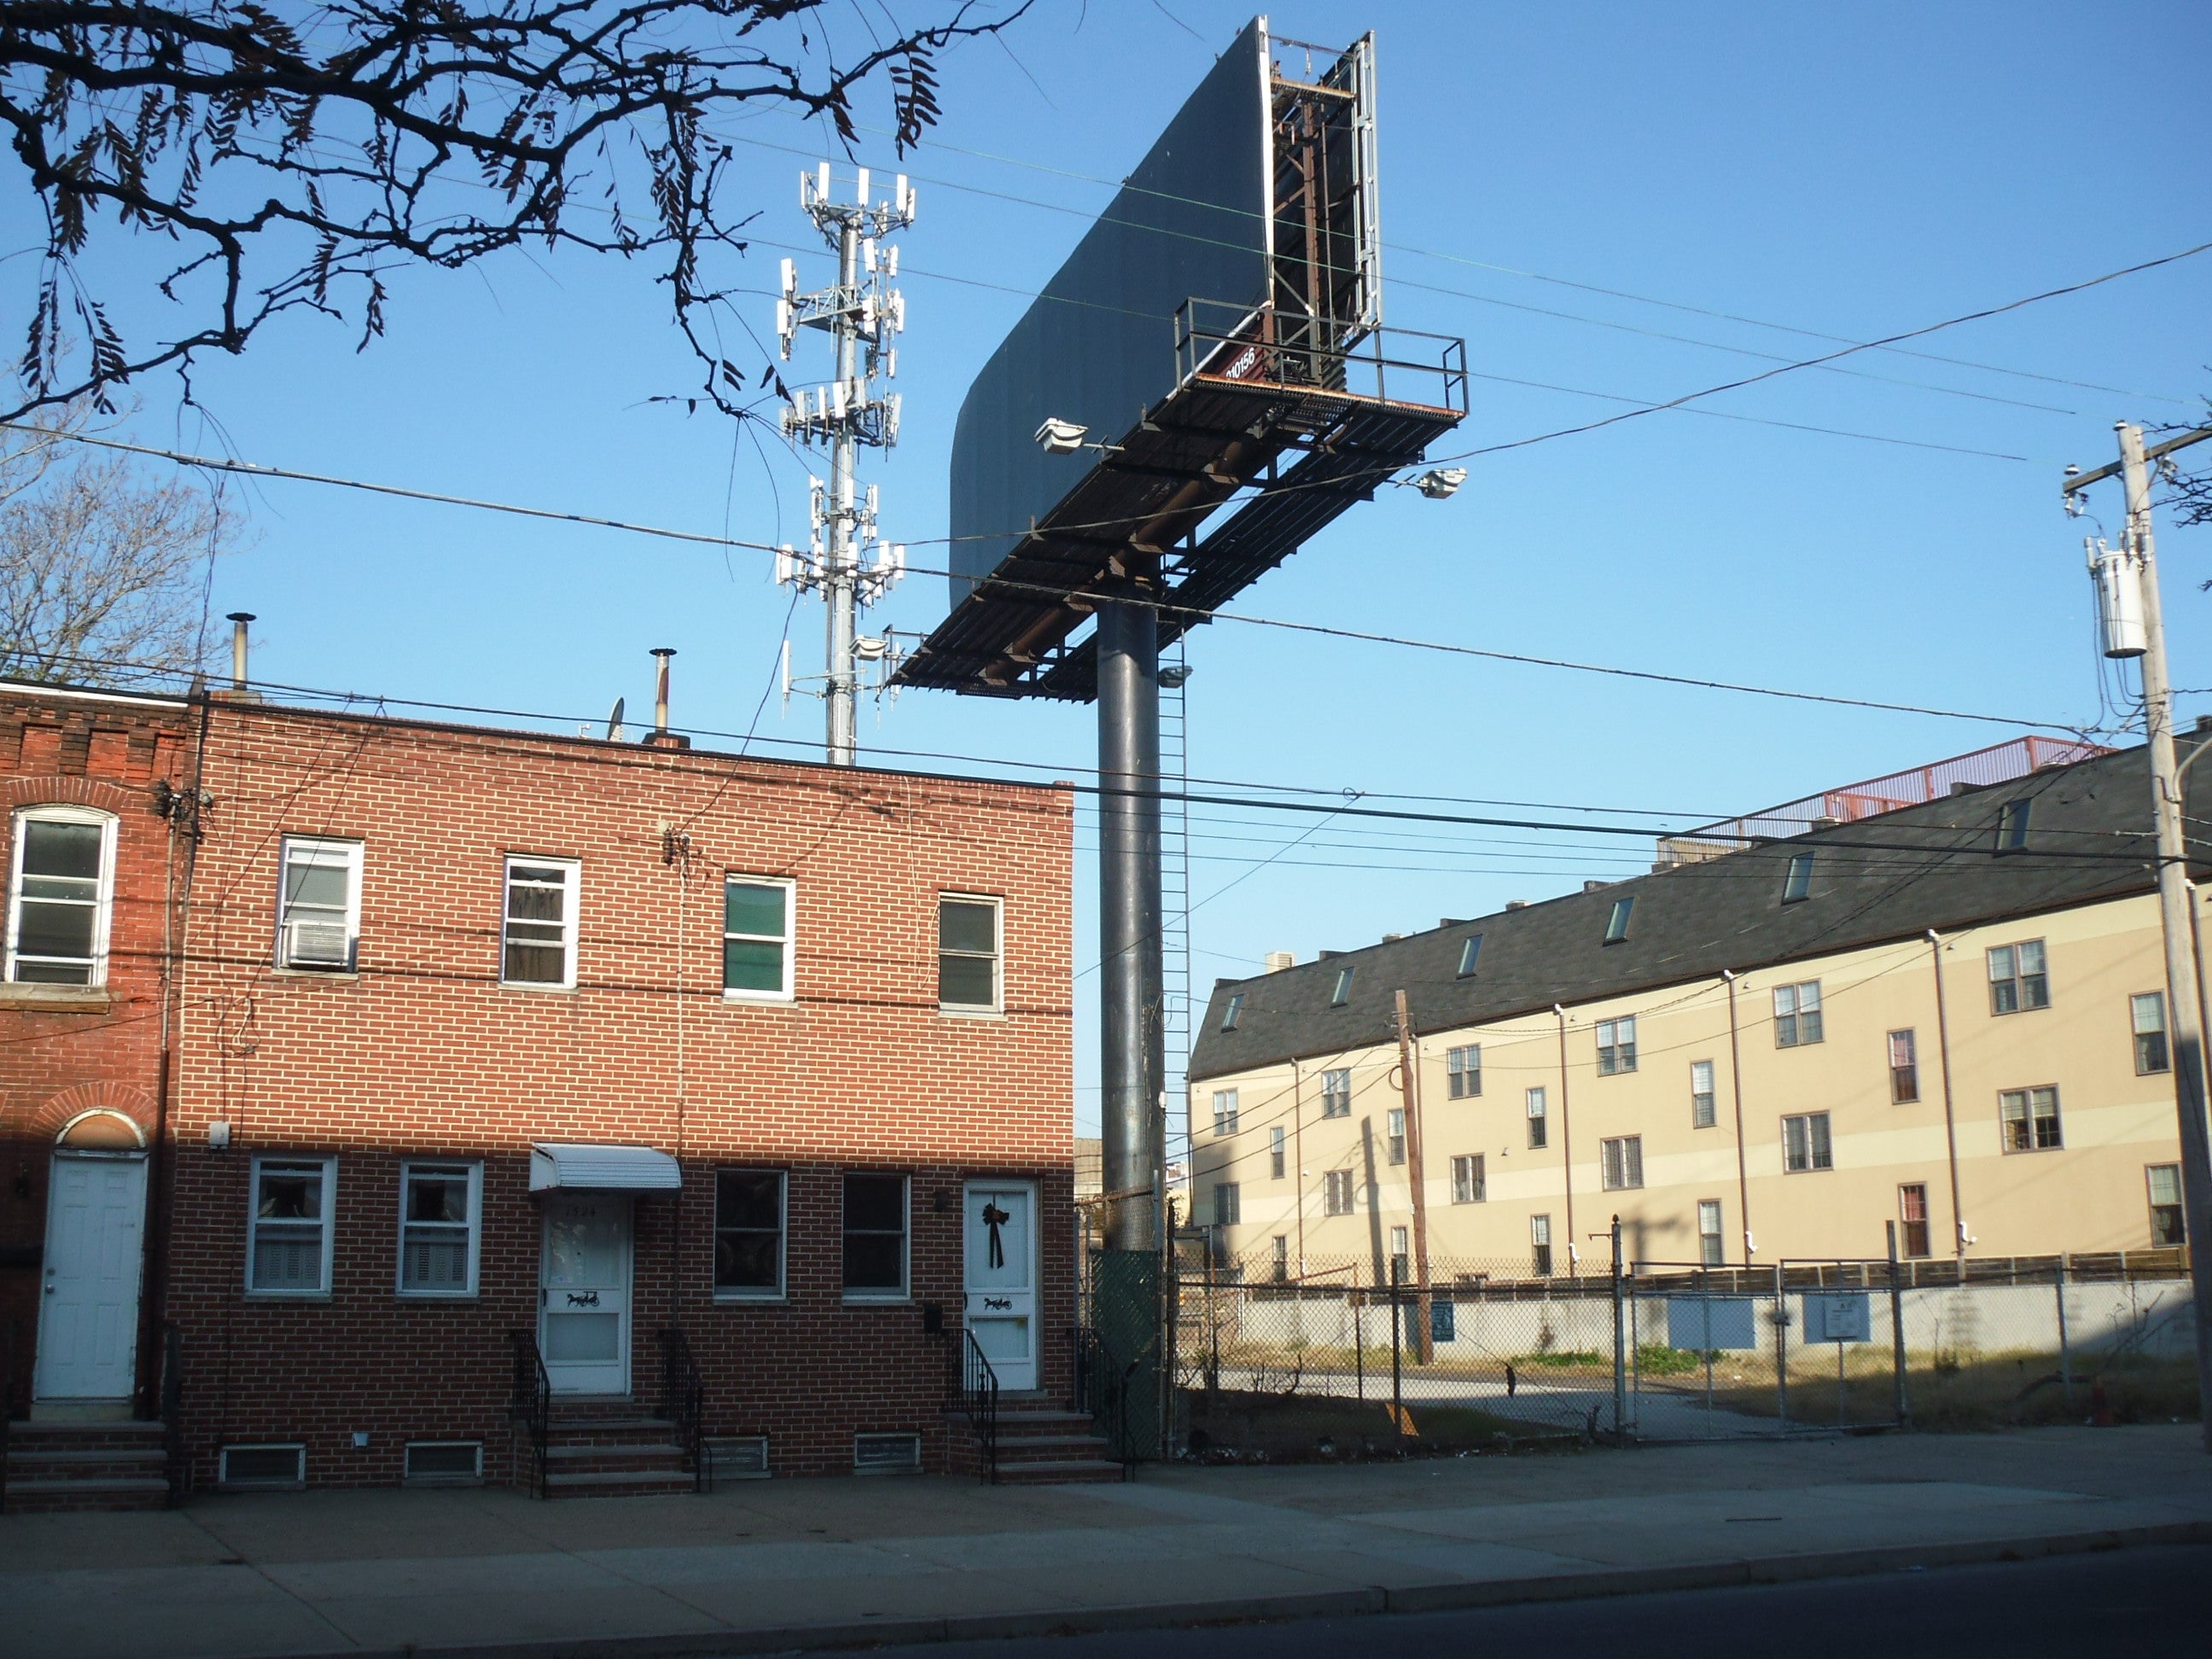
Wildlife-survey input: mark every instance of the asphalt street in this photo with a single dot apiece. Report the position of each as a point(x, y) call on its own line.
point(2142, 1599)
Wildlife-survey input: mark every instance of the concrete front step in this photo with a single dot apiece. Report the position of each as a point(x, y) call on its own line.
point(115, 1465)
point(616, 1483)
point(41, 1496)
point(1069, 1471)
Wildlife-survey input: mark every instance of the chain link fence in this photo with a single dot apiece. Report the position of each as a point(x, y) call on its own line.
point(1332, 1364)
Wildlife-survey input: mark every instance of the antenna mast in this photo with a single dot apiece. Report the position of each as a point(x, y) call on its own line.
point(863, 314)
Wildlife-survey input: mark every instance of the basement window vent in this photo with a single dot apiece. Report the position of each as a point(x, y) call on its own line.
point(444, 1463)
point(264, 1466)
point(741, 1456)
point(887, 1454)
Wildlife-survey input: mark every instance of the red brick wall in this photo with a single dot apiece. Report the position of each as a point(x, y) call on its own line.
point(103, 1050)
point(424, 1053)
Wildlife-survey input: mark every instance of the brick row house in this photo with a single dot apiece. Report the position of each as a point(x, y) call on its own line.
point(431, 1103)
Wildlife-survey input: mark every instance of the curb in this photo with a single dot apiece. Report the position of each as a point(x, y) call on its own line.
point(1446, 1596)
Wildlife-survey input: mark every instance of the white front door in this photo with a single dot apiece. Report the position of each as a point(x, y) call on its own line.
point(1002, 1278)
point(89, 1316)
point(583, 1319)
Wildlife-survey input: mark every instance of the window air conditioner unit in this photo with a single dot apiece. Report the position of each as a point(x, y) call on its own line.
point(317, 944)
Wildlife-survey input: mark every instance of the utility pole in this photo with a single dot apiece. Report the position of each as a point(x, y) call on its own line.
point(2127, 581)
point(1408, 1084)
point(862, 313)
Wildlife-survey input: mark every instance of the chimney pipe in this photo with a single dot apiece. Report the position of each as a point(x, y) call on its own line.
point(662, 738)
point(238, 619)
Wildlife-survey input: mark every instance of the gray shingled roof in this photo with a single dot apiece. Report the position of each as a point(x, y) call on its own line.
point(1880, 878)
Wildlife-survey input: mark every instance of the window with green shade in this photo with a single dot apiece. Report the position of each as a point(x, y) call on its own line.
point(967, 954)
point(755, 937)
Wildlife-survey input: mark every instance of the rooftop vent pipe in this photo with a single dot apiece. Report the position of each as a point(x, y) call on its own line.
point(238, 620)
point(661, 737)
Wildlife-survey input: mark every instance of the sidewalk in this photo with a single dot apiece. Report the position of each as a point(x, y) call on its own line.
point(780, 1565)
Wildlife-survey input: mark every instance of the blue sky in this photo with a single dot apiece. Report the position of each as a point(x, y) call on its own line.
point(1849, 170)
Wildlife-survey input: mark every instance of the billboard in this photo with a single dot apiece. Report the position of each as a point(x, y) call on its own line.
point(1196, 220)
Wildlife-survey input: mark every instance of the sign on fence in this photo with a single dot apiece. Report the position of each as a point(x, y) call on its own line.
point(1443, 1322)
point(1703, 1324)
point(1837, 1317)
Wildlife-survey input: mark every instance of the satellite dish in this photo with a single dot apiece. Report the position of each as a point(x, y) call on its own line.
point(615, 723)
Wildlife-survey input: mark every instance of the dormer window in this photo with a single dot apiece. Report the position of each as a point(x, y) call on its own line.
point(1342, 993)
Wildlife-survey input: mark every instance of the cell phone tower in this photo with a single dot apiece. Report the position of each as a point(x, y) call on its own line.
point(864, 314)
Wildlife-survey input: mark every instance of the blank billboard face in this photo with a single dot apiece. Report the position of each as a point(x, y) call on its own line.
point(1097, 346)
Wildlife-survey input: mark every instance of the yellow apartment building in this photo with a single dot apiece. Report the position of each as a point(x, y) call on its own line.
point(1949, 1017)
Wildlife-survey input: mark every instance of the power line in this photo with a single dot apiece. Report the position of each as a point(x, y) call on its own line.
point(1481, 264)
point(1165, 607)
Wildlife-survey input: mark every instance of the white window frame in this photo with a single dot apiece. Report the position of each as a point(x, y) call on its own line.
point(328, 1164)
point(571, 899)
point(879, 1293)
point(789, 942)
point(473, 1226)
point(1811, 1164)
point(1620, 1163)
point(1463, 1072)
point(1616, 1046)
point(998, 906)
point(1705, 1101)
point(349, 855)
point(1329, 1094)
point(104, 895)
point(1224, 1111)
point(1807, 1025)
point(780, 1292)
point(2154, 1000)
point(1470, 1180)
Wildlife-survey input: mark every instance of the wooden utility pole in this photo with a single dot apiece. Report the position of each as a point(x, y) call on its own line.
point(2184, 996)
point(1423, 1334)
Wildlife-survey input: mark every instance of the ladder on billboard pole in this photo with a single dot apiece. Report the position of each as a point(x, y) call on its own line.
point(1174, 901)
point(863, 314)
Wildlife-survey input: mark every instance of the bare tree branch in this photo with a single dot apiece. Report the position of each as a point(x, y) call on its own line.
point(296, 163)
point(100, 573)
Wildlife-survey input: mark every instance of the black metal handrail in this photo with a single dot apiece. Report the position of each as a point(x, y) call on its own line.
point(979, 1398)
point(1264, 346)
point(1102, 1391)
point(169, 1393)
point(530, 1402)
point(682, 1398)
point(7, 1401)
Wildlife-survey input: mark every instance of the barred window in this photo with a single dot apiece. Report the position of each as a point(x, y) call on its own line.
point(1336, 1195)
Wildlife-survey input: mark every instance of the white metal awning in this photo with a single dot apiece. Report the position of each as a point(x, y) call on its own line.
point(602, 1169)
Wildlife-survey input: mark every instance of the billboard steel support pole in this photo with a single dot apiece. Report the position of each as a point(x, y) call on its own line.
point(1133, 1050)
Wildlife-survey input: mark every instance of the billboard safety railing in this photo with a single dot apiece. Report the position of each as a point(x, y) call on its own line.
point(1267, 346)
